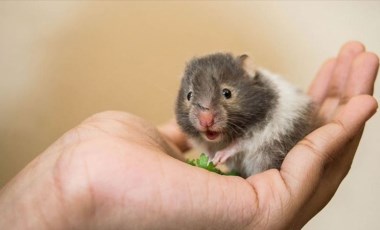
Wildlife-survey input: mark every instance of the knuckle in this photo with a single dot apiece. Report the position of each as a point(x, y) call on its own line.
point(309, 146)
point(342, 128)
point(315, 150)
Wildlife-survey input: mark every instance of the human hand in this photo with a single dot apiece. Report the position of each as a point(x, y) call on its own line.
point(117, 171)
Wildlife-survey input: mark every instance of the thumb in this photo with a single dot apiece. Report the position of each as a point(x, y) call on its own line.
point(304, 165)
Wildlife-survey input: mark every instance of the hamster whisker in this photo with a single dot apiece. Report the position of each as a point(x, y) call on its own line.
point(235, 127)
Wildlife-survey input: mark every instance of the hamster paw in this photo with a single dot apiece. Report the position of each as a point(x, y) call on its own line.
point(221, 156)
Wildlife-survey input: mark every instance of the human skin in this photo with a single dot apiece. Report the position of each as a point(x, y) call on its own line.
point(118, 171)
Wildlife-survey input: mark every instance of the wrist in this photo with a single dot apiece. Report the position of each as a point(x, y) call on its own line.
point(35, 198)
point(29, 202)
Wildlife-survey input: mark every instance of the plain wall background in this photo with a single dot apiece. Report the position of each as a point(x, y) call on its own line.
point(63, 61)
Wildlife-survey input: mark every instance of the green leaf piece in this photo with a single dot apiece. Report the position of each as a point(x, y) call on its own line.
point(204, 162)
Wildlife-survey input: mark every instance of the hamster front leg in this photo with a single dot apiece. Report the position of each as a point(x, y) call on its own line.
point(222, 155)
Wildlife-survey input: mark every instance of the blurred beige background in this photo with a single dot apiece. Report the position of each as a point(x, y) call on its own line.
point(63, 61)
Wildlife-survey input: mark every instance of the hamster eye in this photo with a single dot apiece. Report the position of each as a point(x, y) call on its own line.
point(226, 93)
point(189, 95)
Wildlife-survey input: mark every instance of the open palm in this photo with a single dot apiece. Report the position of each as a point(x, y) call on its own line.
point(117, 171)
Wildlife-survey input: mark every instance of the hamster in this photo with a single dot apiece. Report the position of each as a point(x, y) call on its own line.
point(245, 117)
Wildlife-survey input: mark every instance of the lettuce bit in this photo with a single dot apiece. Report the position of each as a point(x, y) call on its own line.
point(204, 162)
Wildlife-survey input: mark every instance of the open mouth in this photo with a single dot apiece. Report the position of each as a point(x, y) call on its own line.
point(211, 135)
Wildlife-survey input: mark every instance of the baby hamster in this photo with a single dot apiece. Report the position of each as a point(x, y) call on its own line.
point(245, 117)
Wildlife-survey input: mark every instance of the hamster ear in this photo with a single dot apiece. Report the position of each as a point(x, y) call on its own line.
point(247, 64)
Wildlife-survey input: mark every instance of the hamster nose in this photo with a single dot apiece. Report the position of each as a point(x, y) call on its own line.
point(206, 119)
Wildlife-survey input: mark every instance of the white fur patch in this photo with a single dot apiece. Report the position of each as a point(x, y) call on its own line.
point(291, 104)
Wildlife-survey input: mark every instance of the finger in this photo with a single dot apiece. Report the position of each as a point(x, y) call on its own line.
point(362, 77)
point(339, 78)
point(329, 183)
point(174, 134)
point(343, 67)
point(319, 86)
point(304, 165)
